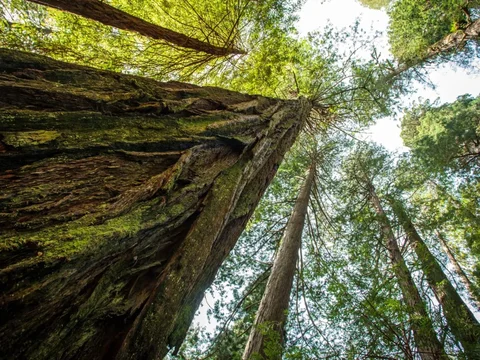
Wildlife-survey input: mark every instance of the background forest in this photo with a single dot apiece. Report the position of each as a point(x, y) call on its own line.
point(386, 254)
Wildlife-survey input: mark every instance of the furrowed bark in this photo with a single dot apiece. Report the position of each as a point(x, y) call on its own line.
point(428, 345)
point(120, 197)
point(469, 286)
point(108, 15)
point(460, 319)
point(271, 315)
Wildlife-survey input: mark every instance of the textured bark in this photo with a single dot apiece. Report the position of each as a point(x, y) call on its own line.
point(460, 319)
point(469, 286)
point(428, 345)
point(272, 311)
point(108, 15)
point(119, 198)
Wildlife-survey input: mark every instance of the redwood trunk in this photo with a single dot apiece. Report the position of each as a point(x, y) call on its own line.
point(426, 341)
point(267, 331)
point(120, 197)
point(460, 319)
point(108, 15)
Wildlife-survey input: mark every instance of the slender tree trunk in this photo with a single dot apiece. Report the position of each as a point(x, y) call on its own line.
point(471, 289)
point(266, 337)
point(120, 197)
point(426, 340)
point(460, 319)
point(108, 15)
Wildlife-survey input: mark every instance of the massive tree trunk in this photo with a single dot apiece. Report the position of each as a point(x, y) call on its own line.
point(428, 346)
point(460, 319)
point(267, 331)
point(108, 15)
point(469, 286)
point(119, 199)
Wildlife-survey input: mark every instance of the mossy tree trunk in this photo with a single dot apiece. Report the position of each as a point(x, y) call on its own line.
point(109, 15)
point(119, 199)
point(461, 320)
point(425, 337)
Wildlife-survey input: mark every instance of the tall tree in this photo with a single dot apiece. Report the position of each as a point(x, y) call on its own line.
point(469, 286)
point(266, 337)
point(461, 320)
point(121, 197)
point(109, 15)
point(424, 334)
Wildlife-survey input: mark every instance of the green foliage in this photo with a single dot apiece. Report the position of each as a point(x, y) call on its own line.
point(75, 39)
point(375, 4)
point(273, 346)
point(446, 136)
point(415, 25)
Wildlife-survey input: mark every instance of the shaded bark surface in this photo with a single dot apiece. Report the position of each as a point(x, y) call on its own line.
point(120, 197)
point(462, 322)
point(271, 315)
point(109, 15)
point(426, 341)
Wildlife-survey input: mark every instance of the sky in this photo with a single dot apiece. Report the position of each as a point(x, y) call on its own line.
point(449, 82)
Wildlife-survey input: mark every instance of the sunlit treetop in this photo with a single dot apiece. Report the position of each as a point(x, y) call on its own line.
point(375, 4)
point(416, 25)
point(446, 136)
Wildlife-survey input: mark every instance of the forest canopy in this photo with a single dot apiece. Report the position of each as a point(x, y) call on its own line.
point(193, 180)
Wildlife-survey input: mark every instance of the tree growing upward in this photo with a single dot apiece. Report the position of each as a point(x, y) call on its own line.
point(121, 196)
point(428, 346)
point(267, 334)
point(460, 319)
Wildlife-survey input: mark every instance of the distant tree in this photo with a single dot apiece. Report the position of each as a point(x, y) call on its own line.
point(428, 345)
point(366, 165)
point(460, 319)
point(267, 335)
point(472, 290)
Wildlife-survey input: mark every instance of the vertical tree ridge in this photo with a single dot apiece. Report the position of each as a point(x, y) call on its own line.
point(121, 196)
point(461, 320)
point(272, 312)
point(428, 345)
point(108, 15)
